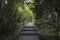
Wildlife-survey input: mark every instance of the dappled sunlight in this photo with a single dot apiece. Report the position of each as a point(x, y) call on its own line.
point(26, 15)
point(20, 9)
point(29, 19)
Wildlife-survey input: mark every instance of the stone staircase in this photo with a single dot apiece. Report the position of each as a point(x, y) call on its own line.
point(28, 30)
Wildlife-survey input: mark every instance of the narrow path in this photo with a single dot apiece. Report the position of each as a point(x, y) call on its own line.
point(29, 32)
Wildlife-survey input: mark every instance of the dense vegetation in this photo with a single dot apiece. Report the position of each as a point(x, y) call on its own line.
point(44, 13)
point(7, 17)
point(13, 14)
point(48, 20)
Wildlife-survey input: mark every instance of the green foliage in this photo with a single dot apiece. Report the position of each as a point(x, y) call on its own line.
point(7, 18)
point(16, 12)
point(47, 15)
point(24, 12)
point(12, 14)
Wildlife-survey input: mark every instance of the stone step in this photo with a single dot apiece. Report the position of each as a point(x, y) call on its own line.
point(28, 32)
point(29, 29)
